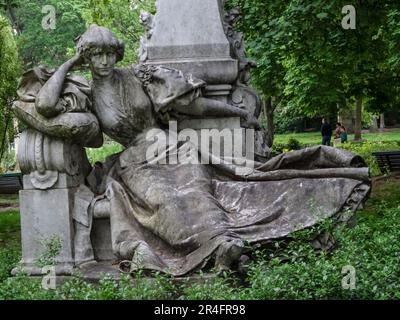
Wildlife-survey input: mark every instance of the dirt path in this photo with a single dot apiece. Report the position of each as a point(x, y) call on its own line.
point(10, 208)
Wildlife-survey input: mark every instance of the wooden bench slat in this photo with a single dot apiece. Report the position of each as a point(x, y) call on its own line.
point(10, 183)
point(388, 161)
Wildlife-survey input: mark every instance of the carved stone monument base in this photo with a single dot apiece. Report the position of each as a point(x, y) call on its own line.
point(44, 215)
point(53, 171)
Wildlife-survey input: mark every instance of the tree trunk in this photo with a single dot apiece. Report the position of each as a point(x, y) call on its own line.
point(374, 125)
point(269, 109)
point(346, 119)
point(382, 124)
point(14, 21)
point(358, 119)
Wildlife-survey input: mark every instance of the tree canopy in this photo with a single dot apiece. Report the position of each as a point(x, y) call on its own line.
point(44, 38)
point(121, 16)
point(9, 73)
point(316, 66)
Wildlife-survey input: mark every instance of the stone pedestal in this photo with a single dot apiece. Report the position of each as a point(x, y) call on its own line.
point(46, 214)
point(53, 170)
point(189, 35)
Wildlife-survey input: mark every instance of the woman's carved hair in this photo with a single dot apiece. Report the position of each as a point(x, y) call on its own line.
point(96, 38)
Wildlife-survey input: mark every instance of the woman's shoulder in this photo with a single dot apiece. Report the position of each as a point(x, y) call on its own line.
point(127, 74)
point(144, 72)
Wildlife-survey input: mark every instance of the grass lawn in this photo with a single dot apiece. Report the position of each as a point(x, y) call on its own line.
point(284, 272)
point(314, 138)
point(10, 234)
point(372, 142)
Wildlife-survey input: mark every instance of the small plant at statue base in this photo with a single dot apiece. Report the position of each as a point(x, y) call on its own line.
point(51, 249)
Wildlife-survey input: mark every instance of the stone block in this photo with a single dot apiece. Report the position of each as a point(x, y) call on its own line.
point(189, 35)
point(45, 214)
point(101, 240)
point(174, 37)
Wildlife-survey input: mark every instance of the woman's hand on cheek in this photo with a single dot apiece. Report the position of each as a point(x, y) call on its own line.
point(76, 61)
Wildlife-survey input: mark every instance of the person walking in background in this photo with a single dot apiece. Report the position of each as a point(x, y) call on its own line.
point(338, 132)
point(326, 132)
point(343, 134)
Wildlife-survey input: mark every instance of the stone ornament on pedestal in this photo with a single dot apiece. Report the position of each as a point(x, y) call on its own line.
point(53, 170)
point(49, 163)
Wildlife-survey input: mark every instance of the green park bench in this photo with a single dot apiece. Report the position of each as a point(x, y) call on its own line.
point(389, 162)
point(10, 183)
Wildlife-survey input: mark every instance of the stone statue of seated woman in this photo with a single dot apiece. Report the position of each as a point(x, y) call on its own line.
point(179, 217)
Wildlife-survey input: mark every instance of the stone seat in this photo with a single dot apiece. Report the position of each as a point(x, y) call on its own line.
point(101, 239)
point(101, 235)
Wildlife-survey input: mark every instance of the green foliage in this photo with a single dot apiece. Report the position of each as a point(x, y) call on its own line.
point(314, 138)
point(374, 142)
point(305, 60)
point(8, 162)
point(102, 153)
point(8, 260)
point(9, 67)
point(122, 17)
point(9, 222)
point(53, 46)
point(9, 72)
point(365, 150)
point(297, 271)
point(9, 228)
point(312, 65)
point(23, 287)
point(51, 249)
point(370, 248)
point(286, 120)
point(394, 38)
point(225, 286)
point(294, 144)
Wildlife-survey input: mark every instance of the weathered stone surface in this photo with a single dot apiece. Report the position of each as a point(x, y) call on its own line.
point(195, 31)
point(193, 41)
point(216, 123)
point(50, 163)
point(64, 181)
point(101, 240)
point(45, 214)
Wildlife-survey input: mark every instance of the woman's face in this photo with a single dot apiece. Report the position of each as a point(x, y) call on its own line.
point(102, 63)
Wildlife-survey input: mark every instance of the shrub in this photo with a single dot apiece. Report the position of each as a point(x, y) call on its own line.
point(102, 153)
point(294, 144)
point(365, 150)
point(8, 162)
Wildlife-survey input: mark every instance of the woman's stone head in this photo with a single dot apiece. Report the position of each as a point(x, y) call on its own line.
point(101, 49)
